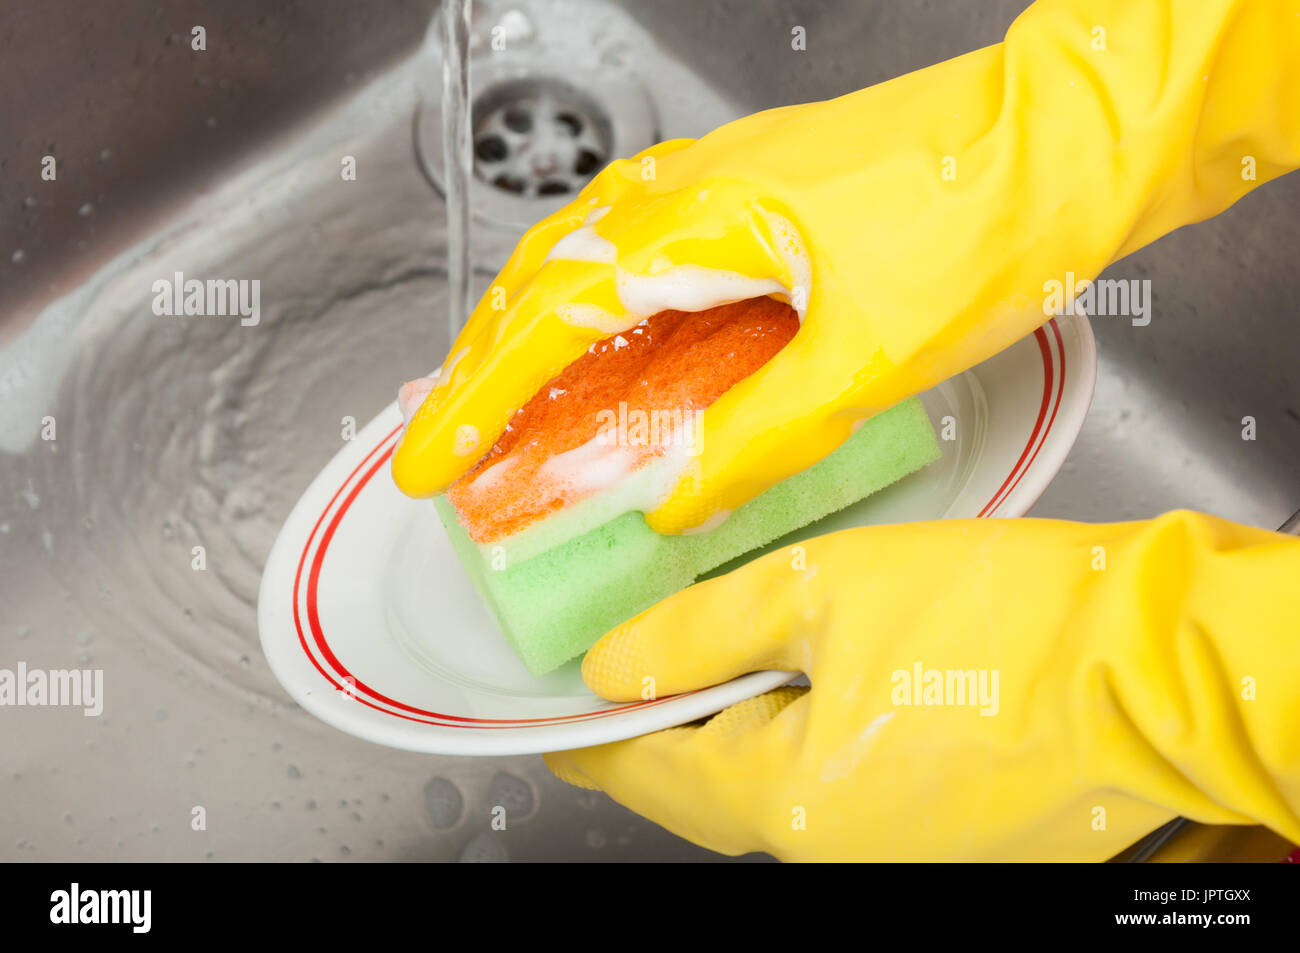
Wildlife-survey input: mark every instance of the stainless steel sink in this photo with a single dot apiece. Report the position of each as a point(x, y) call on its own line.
point(172, 433)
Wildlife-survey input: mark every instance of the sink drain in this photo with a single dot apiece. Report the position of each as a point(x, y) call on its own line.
point(538, 137)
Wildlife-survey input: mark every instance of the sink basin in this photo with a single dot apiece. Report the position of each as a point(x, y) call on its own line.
point(147, 460)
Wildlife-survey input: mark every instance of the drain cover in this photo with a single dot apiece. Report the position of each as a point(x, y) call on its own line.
point(538, 137)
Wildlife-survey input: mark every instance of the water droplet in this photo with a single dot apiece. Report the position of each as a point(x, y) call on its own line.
point(484, 849)
point(86, 210)
point(160, 715)
point(513, 793)
point(444, 803)
point(595, 839)
point(17, 256)
point(293, 772)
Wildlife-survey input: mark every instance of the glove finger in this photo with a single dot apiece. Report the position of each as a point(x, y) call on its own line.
point(773, 612)
point(765, 615)
point(709, 783)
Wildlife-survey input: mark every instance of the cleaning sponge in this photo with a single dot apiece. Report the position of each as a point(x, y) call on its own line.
point(553, 606)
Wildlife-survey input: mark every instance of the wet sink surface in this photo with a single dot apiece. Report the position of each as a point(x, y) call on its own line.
point(173, 433)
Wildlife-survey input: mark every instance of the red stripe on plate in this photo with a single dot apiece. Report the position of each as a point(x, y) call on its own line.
point(1060, 390)
point(1042, 425)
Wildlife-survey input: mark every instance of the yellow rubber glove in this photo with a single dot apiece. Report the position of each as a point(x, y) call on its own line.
point(1131, 672)
point(932, 210)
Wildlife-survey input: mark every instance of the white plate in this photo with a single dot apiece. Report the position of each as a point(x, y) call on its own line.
point(370, 622)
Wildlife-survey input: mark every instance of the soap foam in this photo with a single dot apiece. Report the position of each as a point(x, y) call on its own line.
point(583, 244)
point(467, 440)
point(599, 467)
point(794, 255)
point(593, 317)
point(591, 467)
point(689, 288)
point(412, 394)
point(493, 474)
point(641, 490)
point(680, 287)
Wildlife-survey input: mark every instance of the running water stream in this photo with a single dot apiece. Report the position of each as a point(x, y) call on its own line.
point(457, 156)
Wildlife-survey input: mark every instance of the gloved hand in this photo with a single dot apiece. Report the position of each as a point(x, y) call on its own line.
point(1118, 675)
point(932, 210)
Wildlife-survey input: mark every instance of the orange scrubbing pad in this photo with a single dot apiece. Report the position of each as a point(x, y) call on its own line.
point(674, 360)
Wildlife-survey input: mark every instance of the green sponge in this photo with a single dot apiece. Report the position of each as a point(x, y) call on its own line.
point(554, 606)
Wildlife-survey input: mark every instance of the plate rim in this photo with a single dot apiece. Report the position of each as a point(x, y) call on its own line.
point(1058, 436)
